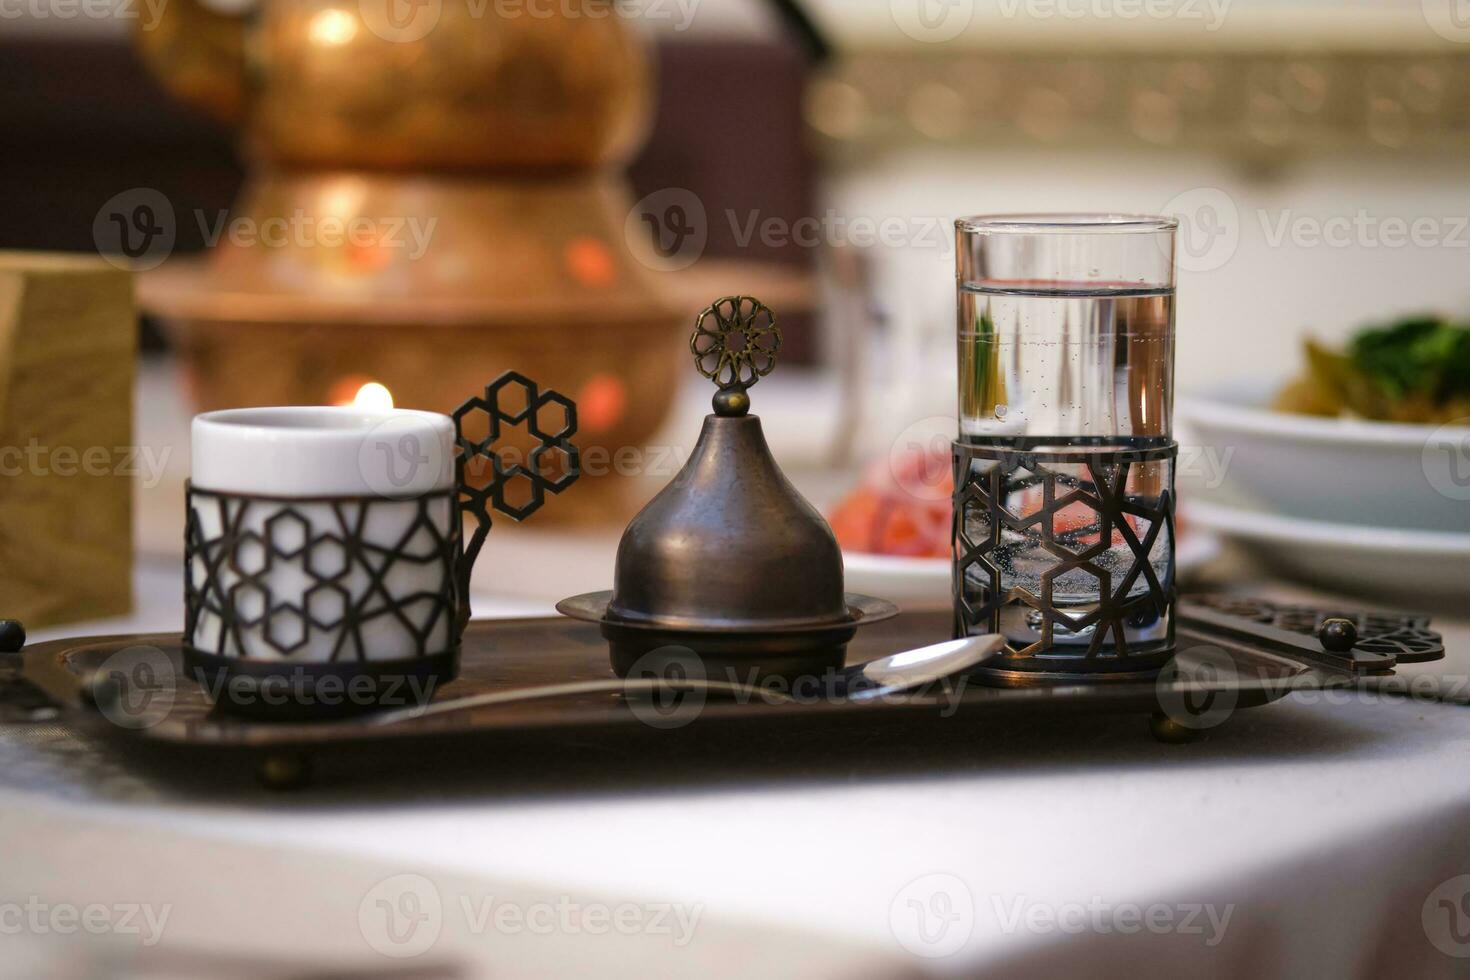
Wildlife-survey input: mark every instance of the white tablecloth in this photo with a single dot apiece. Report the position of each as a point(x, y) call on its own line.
point(1306, 836)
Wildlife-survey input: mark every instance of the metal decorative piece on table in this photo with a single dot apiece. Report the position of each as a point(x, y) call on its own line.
point(1074, 509)
point(728, 570)
point(483, 476)
point(1365, 640)
point(377, 617)
point(246, 636)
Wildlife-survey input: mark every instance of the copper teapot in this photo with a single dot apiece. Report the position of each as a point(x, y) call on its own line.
point(412, 84)
point(506, 125)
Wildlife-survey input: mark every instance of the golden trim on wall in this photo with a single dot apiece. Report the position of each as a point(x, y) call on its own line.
point(1235, 101)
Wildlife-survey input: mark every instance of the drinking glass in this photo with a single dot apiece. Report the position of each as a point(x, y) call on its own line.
point(1064, 468)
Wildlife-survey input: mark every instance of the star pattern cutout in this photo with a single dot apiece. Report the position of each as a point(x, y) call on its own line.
point(991, 527)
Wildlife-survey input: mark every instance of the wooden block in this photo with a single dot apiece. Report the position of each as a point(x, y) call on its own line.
point(68, 336)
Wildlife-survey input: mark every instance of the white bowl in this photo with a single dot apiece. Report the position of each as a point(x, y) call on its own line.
point(1417, 567)
point(1344, 471)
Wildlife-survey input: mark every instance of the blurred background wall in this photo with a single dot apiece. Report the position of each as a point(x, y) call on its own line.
point(1255, 121)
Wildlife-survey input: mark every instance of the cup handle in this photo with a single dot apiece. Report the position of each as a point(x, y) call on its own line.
point(483, 470)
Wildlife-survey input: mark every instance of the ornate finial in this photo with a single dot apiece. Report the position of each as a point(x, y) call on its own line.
point(735, 344)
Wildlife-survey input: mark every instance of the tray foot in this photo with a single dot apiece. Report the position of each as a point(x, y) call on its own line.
point(284, 771)
point(1170, 732)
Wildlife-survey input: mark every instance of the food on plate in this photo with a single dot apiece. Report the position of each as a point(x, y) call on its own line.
point(901, 507)
point(1413, 370)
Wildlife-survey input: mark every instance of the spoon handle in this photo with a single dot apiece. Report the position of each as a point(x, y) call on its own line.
point(862, 682)
point(543, 692)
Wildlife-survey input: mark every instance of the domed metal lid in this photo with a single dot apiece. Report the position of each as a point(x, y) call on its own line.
point(730, 545)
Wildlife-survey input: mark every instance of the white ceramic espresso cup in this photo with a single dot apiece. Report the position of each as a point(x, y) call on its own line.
point(322, 536)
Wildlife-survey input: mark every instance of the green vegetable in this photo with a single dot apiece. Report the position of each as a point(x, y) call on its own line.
point(1422, 357)
point(1413, 370)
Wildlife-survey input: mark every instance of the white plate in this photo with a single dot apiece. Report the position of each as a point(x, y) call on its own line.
point(1377, 474)
point(1364, 560)
point(916, 581)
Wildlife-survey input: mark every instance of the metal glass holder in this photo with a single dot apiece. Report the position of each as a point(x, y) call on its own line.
point(1091, 642)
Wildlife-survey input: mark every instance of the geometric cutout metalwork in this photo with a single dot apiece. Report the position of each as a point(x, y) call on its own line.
point(735, 342)
point(552, 465)
point(1068, 516)
point(347, 574)
point(1405, 636)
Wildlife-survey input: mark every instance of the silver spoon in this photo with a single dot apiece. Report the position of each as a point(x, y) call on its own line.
point(879, 678)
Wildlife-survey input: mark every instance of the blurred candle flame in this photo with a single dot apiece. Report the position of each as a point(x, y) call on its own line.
point(373, 397)
point(355, 391)
point(332, 28)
